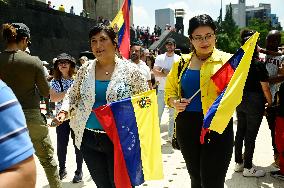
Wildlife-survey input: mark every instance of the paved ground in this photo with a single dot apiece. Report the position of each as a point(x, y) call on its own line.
point(175, 173)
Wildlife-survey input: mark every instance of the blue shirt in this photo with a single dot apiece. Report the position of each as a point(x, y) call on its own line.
point(101, 88)
point(15, 143)
point(190, 83)
point(55, 84)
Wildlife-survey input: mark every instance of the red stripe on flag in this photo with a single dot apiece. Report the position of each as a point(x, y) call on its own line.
point(223, 76)
point(125, 43)
point(106, 119)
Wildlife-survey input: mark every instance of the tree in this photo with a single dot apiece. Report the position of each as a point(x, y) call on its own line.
point(228, 38)
point(263, 27)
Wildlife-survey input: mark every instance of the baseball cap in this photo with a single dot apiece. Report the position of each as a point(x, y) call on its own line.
point(22, 29)
point(170, 41)
point(65, 56)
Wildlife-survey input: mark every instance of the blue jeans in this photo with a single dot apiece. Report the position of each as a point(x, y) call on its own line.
point(161, 108)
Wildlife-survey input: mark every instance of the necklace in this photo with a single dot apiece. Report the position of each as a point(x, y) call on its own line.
point(203, 58)
point(106, 71)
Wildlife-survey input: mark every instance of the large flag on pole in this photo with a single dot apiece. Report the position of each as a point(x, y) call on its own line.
point(230, 81)
point(133, 126)
point(121, 23)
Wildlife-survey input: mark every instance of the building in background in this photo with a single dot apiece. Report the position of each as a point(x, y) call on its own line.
point(165, 17)
point(242, 13)
point(106, 9)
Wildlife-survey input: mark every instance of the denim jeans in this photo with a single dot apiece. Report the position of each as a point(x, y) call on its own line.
point(161, 108)
point(38, 132)
point(249, 113)
point(97, 150)
point(63, 132)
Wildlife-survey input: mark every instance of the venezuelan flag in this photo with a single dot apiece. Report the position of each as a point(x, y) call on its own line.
point(133, 126)
point(229, 80)
point(121, 22)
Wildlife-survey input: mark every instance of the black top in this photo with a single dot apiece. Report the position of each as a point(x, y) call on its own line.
point(257, 73)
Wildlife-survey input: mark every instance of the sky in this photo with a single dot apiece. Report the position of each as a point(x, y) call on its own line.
point(144, 10)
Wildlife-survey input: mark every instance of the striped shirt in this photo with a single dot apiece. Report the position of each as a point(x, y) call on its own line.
point(15, 143)
point(55, 84)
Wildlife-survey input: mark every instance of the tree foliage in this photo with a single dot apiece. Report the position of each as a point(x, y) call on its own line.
point(263, 27)
point(228, 33)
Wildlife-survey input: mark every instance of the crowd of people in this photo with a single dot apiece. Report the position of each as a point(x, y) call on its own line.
point(78, 87)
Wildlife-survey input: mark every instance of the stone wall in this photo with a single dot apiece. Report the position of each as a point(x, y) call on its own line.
point(52, 32)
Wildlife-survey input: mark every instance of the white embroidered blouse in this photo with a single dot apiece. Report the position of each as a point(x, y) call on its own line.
point(126, 81)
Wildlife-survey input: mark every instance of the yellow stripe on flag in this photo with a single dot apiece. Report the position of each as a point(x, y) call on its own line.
point(146, 113)
point(234, 92)
point(118, 20)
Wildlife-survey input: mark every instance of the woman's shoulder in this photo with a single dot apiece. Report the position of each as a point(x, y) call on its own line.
point(221, 55)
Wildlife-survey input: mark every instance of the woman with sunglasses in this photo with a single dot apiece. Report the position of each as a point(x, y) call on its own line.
point(64, 70)
point(206, 163)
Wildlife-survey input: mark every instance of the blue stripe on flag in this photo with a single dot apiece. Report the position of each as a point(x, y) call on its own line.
point(121, 33)
point(127, 129)
point(236, 58)
point(212, 110)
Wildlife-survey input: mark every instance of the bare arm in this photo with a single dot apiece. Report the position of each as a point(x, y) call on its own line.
point(21, 175)
point(56, 96)
point(266, 91)
point(150, 84)
point(160, 72)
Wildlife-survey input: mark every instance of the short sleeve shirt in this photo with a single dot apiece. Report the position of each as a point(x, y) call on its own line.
point(165, 62)
point(15, 143)
point(55, 84)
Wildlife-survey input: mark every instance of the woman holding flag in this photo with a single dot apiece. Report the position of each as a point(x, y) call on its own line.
point(98, 82)
point(207, 163)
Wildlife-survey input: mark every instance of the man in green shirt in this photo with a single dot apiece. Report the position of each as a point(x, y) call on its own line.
point(24, 74)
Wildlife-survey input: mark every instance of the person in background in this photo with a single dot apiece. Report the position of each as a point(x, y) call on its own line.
point(150, 60)
point(103, 80)
point(61, 8)
point(64, 70)
point(24, 74)
point(72, 10)
point(275, 67)
point(17, 165)
point(207, 163)
point(279, 134)
point(83, 60)
point(250, 112)
point(135, 54)
point(162, 67)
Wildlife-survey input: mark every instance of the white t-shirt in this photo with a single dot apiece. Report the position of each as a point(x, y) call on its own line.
point(272, 64)
point(165, 62)
point(144, 69)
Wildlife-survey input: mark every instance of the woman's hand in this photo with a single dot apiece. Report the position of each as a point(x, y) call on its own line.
point(180, 104)
point(60, 117)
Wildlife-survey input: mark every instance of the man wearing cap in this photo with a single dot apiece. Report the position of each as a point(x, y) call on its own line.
point(162, 67)
point(24, 74)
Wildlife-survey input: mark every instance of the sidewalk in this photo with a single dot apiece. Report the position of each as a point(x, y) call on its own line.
point(175, 173)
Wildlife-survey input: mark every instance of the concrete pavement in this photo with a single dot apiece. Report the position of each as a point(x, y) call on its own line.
point(175, 173)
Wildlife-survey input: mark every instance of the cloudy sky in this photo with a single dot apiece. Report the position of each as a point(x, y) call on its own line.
point(144, 10)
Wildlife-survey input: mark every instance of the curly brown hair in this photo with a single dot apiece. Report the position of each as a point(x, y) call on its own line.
point(57, 75)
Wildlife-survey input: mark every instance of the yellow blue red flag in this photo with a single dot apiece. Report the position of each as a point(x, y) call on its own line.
point(133, 126)
point(230, 81)
point(121, 23)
